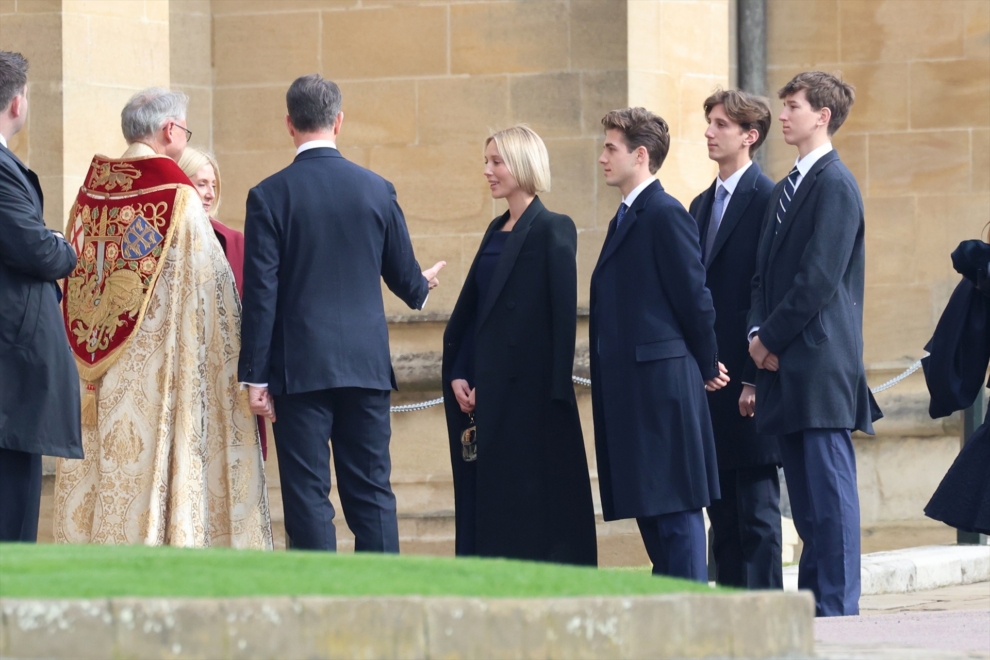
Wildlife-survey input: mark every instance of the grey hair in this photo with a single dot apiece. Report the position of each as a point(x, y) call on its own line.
point(149, 109)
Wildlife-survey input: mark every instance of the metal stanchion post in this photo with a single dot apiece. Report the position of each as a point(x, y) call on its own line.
point(972, 418)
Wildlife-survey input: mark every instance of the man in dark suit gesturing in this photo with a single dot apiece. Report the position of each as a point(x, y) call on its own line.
point(653, 354)
point(746, 520)
point(807, 339)
point(39, 395)
point(320, 236)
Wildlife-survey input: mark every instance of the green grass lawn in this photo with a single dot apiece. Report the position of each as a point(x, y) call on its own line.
point(80, 571)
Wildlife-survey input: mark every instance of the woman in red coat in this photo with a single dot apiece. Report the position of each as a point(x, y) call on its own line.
point(204, 173)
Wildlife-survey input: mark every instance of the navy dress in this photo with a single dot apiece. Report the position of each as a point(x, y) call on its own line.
point(954, 373)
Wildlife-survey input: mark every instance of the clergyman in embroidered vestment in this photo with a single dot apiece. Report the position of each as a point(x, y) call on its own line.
point(172, 454)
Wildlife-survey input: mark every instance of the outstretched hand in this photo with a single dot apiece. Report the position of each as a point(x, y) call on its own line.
point(431, 274)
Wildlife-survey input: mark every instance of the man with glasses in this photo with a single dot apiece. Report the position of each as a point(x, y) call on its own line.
point(152, 316)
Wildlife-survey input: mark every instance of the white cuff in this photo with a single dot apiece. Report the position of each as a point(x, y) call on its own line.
point(246, 385)
point(752, 333)
point(423, 306)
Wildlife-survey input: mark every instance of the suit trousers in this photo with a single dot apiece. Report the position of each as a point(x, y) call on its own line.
point(746, 528)
point(20, 495)
point(676, 544)
point(820, 467)
point(356, 423)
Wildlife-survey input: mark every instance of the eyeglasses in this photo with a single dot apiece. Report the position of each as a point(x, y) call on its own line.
point(188, 132)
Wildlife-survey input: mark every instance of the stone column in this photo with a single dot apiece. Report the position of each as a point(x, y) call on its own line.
point(87, 58)
point(678, 53)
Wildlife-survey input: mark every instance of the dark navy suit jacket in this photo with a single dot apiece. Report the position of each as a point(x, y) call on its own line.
point(319, 237)
point(730, 271)
point(652, 347)
point(807, 298)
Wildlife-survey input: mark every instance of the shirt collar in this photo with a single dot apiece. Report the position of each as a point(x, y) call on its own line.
point(733, 180)
point(805, 164)
point(634, 193)
point(315, 144)
point(3, 141)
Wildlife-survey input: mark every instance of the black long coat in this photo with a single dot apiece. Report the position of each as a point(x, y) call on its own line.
point(730, 271)
point(39, 395)
point(807, 299)
point(652, 347)
point(528, 495)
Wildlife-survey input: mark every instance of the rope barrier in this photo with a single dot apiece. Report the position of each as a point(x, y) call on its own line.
point(415, 407)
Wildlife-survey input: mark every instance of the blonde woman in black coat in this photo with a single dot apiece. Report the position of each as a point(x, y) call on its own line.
point(522, 489)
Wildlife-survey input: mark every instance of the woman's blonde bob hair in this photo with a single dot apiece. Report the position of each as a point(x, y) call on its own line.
point(526, 157)
point(192, 161)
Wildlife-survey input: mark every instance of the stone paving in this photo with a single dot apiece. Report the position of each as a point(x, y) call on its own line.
point(949, 623)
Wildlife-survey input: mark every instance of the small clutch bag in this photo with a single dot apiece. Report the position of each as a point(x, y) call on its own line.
point(469, 441)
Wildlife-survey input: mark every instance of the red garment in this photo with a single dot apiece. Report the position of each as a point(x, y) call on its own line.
point(232, 242)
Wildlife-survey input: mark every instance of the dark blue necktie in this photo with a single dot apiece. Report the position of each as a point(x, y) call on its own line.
point(621, 214)
point(785, 200)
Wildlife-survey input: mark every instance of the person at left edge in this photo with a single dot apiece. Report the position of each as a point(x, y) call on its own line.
point(39, 398)
point(508, 359)
point(653, 355)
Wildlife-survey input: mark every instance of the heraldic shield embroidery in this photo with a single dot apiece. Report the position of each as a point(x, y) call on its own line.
point(121, 243)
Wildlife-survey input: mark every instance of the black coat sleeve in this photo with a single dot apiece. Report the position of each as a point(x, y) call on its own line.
point(400, 270)
point(26, 244)
point(562, 265)
point(824, 261)
point(682, 276)
point(261, 270)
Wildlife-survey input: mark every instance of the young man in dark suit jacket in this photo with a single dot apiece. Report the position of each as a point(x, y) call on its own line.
point(807, 339)
point(746, 520)
point(39, 394)
point(653, 355)
point(319, 238)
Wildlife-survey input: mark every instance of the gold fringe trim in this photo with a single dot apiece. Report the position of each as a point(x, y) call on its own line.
point(89, 403)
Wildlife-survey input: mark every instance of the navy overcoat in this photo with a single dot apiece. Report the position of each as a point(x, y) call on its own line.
point(808, 303)
point(652, 346)
point(39, 395)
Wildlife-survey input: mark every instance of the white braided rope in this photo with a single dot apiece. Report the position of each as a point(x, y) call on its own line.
point(414, 407)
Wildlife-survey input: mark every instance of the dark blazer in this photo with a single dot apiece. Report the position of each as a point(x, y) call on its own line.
point(320, 236)
point(652, 347)
point(528, 495)
point(39, 399)
point(807, 299)
point(730, 271)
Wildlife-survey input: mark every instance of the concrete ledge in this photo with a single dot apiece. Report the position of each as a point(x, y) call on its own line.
point(916, 569)
point(743, 625)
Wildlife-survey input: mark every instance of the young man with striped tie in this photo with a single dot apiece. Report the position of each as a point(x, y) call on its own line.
point(806, 338)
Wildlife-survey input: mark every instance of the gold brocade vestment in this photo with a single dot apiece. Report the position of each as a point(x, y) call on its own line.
point(174, 456)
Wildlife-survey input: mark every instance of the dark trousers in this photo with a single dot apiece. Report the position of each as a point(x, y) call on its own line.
point(356, 423)
point(20, 495)
point(820, 467)
point(676, 544)
point(746, 528)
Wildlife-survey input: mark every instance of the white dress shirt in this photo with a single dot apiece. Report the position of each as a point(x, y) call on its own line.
point(634, 193)
point(315, 144)
point(3, 141)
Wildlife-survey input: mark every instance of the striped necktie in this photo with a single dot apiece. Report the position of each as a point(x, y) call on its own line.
point(785, 200)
